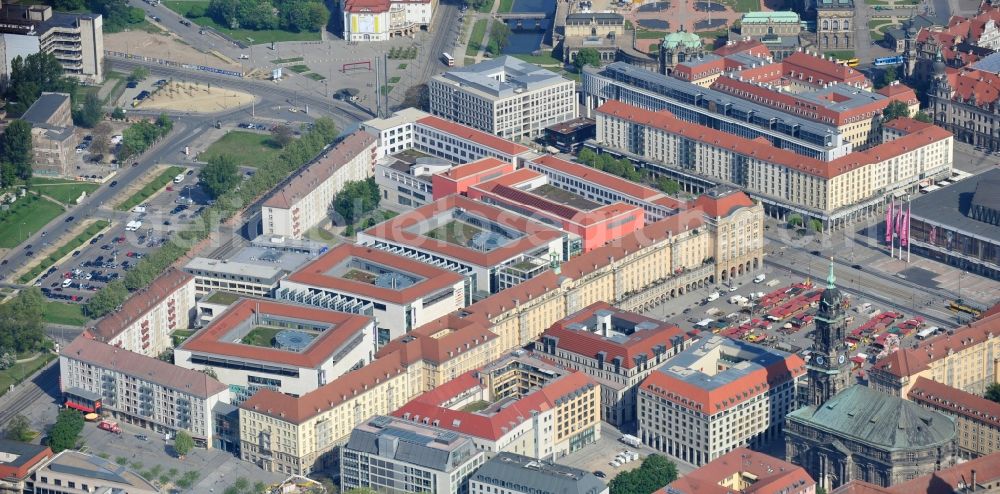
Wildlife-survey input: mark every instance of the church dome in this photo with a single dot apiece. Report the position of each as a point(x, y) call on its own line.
point(682, 39)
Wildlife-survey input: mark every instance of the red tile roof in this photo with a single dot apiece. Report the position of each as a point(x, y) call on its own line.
point(861, 487)
point(316, 273)
point(212, 339)
point(482, 138)
point(749, 46)
point(950, 480)
point(396, 230)
point(898, 91)
point(955, 401)
point(723, 206)
point(807, 108)
point(492, 427)
point(822, 70)
point(474, 168)
point(589, 343)
point(366, 6)
point(969, 83)
point(773, 476)
point(599, 178)
point(667, 122)
point(905, 125)
point(139, 304)
point(145, 368)
point(908, 361)
point(441, 340)
point(303, 183)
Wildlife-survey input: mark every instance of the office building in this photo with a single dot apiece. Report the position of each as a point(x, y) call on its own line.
point(382, 20)
point(474, 239)
point(253, 271)
point(291, 349)
point(616, 348)
point(834, 192)
point(52, 138)
point(406, 178)
point(17, 463)
point(965, 359)
point(388, 454)
point(977, 420)
point(145, 320)
point(960, 224)
point(636, 272)
point(505, 96)
point(76, 40)
point(718, 395)
point(510, 473)
point(521, 405)
point(303, 201)
point(528, 192)
point(835, 27)
point(745, 471)
point(73, 472)
point(398, 292)
point(140, 390)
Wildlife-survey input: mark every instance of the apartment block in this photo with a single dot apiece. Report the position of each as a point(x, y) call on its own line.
point(977, 420)
point(617, 349)
point(76, 40)
point(745, 471)
point(140, 390)
point(260, 344)
point(835, 192)
point(510, 473)
point(399, 293)
point(388, 454)
point(718, 395)
point(505, 96)
point(965, 359)
point(299, 435)
point(145, 320)
point(304, 200)
point(524, 405)
point(52, 137)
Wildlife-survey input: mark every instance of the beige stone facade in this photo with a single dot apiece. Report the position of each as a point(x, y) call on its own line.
point(835, 29)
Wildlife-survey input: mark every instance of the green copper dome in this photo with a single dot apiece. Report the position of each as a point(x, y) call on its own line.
point(681, 39)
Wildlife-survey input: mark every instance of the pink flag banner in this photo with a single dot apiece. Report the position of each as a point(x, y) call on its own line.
point(888, 221)
point(904, 234)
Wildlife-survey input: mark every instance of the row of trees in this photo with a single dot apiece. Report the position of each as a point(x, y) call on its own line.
point(22, 322)
point(605, 162)
point(139, 136)
point(31, 75)
point(117, 13)
point(290, 15)
point(15, 153)
point(297, 153)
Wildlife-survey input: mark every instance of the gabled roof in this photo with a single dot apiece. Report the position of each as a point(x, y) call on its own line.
point(468, 133)
point(772, 475)
point(955, 401)
point(139, 304)
point(723, 203)
point(306, 181)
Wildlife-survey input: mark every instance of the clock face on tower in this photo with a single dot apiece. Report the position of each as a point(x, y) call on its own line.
point(841, 359)
point(819, 359)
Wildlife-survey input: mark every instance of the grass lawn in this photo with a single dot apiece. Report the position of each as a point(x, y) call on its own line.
point(841, 55)
point(18, 372)
point(506, 6)
point(876, 23)
point(64, 313)
point(316, 77)
point(299, 69)
point(476, 406)
point(287, 60)
point(486, 7)
point(454, 232)
point(476, 38)
point(744, 5)
point(226, 298)
point(180, 335)
point(646, 34)
point(258, 37)
point(260, 336)
point(64, 191)
point(320, 235)
point(394, 80)
point(161, 180)
point(544, 59)
point(401, 66)
point(25, 217)
point(249, 148)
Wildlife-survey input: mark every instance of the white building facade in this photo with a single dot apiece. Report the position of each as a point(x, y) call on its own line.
point(381, 20)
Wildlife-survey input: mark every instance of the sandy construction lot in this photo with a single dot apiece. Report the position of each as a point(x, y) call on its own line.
point(162, 46)
point(193, 97)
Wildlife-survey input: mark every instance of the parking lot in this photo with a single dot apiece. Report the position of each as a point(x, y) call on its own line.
point(110, 255)
point(597, 457)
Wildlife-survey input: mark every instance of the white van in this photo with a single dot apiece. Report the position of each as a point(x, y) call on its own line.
point(713, 296)
point(759, 278)
point(67, 282)
point(179, 178)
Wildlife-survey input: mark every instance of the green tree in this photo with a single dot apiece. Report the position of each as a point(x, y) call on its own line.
point(923, 117)
point(66, 432)
point(587, 156)
point(356, 199)
point(22, 321)
point(19, 429)
point(31, 75)
point(993, 393)
point(90, 113)
point(220, 175)
point(668, 185)
point(282, 135)
point(816, 225)
point(138, 74)
point(164, 123)
point(118, 113)
point(587, 56)
point(499, 32)
point(183, 444)
point(107, 300)
point(794, 220)
point(654, 474)
point(895, 110)
point(195, 11)
point(15, 147)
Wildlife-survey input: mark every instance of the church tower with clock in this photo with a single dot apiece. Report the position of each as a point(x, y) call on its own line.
point(829, 370)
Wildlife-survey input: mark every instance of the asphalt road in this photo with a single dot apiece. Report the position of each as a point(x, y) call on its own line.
point(44, 383)
point(445, 28)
